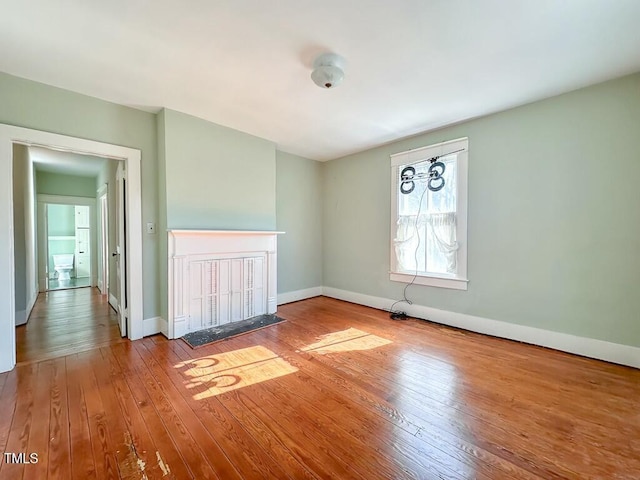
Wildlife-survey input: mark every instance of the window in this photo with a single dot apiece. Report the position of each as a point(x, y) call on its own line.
point(429, 225)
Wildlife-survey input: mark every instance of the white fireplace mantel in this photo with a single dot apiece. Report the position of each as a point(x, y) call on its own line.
point(234, 265)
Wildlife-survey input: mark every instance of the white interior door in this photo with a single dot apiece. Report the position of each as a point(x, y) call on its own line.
point(121, 248)
point(83, 242)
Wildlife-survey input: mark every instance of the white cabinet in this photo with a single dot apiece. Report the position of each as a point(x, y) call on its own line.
point(82, 216)
point(83, 267)
point(83, 253)
point(226, 290)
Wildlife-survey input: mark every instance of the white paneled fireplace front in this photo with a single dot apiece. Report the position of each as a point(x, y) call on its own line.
point(219, 276)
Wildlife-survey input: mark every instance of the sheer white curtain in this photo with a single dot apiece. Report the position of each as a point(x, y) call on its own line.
point(408, 234)
point(443, 233)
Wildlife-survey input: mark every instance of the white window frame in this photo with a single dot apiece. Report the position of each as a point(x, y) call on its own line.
point(460, 280)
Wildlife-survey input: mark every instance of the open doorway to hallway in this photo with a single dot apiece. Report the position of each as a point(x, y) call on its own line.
point(67, 247)
point(77, 308)
point(130, 313)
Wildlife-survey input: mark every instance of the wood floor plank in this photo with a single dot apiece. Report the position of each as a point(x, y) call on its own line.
point(8, 401)
point(140, 450)
point(39, 435)
point(366, 442)
point(168, 457)
point(102, 445)
point(201, 453)
point(405, 419)
point(129, 457)
point(223, 427)
point(66, 322)
point(22, 420)
point(336, 391)
point(365, 424)
point(457, 422)
point(59, 445)
point(82, 462)
point(213, 433)
point(260, 451)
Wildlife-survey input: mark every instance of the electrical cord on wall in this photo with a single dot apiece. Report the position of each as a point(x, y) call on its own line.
point(399, 314)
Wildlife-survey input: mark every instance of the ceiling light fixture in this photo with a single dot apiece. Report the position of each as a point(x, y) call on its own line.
point(328, 70)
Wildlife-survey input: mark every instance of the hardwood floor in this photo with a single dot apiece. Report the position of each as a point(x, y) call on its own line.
point(64, 322)
point(338, 391)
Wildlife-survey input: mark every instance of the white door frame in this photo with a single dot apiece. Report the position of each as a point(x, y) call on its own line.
point(102, 208)
point(121, 251)
point(43, 200)
point(10, 135)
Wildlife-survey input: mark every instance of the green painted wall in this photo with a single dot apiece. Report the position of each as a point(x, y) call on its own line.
point(299, 214)
point(20, 166)
point(554, 216)
point(162, 215)
point(217, 177)
point(72, 185)
point(554, 222)
point(61, 220)
point(34, 105)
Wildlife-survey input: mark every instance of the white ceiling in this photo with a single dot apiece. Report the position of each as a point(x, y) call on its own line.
point(55, 161)
point(413, 65)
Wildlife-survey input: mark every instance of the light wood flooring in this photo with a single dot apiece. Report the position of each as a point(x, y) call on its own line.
point(63, 322)
point(338, 391)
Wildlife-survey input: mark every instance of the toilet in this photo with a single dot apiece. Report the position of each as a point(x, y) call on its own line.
point(63, 264)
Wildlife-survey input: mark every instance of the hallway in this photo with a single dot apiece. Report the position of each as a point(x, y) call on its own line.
point(65, 322)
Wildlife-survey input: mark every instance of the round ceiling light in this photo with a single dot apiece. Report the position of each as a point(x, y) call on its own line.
point(328, 70)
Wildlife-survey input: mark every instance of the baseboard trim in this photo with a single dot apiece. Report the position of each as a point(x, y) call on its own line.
point(113, 301)
point(587, 347)
point(21, 317)
point(298, 295)
point(32, 302)
point(154, 325)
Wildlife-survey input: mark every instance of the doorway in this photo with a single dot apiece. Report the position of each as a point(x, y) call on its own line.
point(131, 270)
point(66, 238)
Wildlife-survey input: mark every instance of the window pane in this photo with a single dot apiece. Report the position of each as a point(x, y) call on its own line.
point(427, 244)
point(445, 200)
point(437, 258)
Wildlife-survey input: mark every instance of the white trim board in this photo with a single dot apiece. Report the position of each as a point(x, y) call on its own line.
point(113, 301)
point(22, 316)
point(297, 295)
point(155, 325)
point(587, 347)
point(10, 135)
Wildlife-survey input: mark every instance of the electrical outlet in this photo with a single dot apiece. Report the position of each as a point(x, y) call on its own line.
point(151, 227)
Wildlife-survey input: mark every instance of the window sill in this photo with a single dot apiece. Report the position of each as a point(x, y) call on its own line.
point(431, 281)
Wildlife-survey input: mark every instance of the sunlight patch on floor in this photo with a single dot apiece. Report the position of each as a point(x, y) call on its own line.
point(346, 341)
point(224, 372)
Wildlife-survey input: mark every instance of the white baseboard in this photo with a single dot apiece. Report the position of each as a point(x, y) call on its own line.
point(21, 317)
point(151, 326)
point(297, 295)
point(31, 304)
point(588, 347)
point(113, 301)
